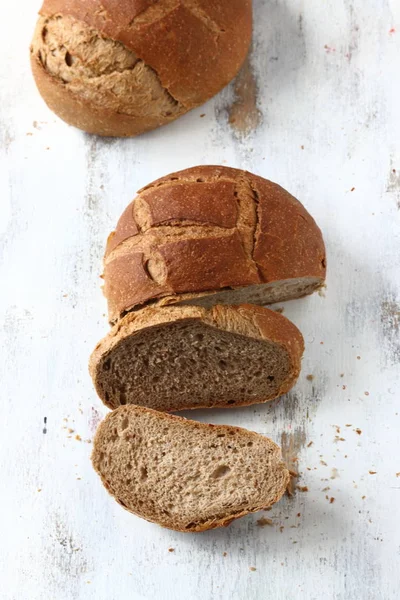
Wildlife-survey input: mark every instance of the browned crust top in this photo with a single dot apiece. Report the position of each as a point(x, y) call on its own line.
point(195, 46)
point(205, 229)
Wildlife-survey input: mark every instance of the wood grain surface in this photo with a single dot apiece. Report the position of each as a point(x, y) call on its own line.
point(315, 108)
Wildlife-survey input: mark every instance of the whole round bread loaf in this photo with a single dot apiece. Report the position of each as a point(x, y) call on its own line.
point(122, 68)
point(212, 235)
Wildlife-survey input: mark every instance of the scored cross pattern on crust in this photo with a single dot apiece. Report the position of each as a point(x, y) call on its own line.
point(208, 229)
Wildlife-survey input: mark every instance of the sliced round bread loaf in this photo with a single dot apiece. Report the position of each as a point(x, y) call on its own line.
point(211, 235)
point(185, 475)
point(182, 357)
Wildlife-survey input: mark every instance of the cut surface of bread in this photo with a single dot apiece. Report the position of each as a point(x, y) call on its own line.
point(182, 357)
point(211, 235)
point(185, 475)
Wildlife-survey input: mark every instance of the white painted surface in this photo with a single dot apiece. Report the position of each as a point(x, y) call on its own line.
point(327, 76)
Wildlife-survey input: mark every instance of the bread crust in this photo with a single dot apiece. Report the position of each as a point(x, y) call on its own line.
point(211, 523)
point(209, 228)
point(194, 46)
point(84, 114)
point(248, 320)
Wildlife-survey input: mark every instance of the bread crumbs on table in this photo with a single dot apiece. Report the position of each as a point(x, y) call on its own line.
point(359, 431)
point(302, 488)
point(341, 374)
point(264, 521)
point(39, 489)
point(298, 515)
point(71, 430)
point(202, 115)
point(309, 444)
point(372, 472)
point(310, 377)
point(171, 549)
point(224, 554)
point(363, 497)
point(78, 438)
point(348, 425)
point(352, 189)
point(331, 500)
point(289, 489)
point(366, 393)
point(253, 569)
point(358, 357)
point(398, 474)
point(326, 489)
point(323, 463)
point(281, 528)
point(279, 310)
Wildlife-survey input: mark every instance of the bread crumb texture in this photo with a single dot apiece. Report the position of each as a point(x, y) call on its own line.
point(101, 70)
point(186, 475)
point(174, 358)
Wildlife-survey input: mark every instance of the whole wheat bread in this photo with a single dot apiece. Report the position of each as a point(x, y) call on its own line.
point(119, 68)
point(185, 475)
point(182, 357)
point(212, 235)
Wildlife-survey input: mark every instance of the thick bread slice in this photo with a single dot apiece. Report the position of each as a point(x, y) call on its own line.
point(185, 475)
point(181, 357)
point(212, 235)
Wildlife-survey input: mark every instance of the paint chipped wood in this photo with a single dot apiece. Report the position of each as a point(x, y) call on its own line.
point(244, 114)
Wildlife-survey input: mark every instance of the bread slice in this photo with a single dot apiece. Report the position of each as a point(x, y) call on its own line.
point(212, 235)
point(181, 357)
point(185, 475)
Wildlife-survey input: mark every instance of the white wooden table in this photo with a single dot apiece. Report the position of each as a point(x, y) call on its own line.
point(318, 112)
